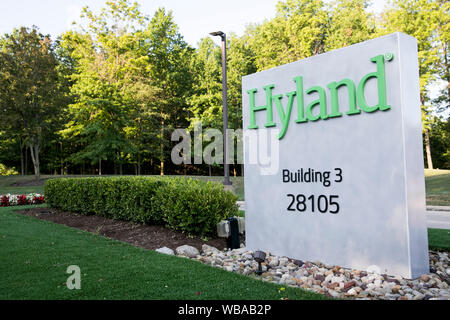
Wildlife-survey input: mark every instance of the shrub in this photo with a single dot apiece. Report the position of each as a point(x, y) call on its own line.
point(187, 205)
point(194, 206)
point(4, 171)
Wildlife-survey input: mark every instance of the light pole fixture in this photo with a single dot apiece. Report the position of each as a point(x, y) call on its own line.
point(259, 256)
point(226, 168)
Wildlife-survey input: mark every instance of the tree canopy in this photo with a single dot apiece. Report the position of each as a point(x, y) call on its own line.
point(106, 96)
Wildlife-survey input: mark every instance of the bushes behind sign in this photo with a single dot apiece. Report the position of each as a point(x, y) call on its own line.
point(186, 205)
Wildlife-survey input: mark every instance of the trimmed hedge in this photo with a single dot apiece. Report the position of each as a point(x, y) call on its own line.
point(182, 204)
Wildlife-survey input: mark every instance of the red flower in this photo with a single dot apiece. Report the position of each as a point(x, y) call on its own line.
point(38, 200)
point(4, 201)
point(22, 200)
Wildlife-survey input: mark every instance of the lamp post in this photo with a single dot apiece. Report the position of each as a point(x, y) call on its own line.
point(226, 168)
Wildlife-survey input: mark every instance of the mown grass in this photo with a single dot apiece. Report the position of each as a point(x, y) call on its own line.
point(7, 182)
point(35, 255)
point(437, 183)
point(439, 239)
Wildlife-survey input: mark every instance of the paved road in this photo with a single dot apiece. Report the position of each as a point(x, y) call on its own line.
point(437, 217)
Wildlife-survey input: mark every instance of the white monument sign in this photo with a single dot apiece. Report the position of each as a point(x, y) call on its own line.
point(346, 183)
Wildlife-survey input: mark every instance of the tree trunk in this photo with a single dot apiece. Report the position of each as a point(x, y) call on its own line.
point(61, 155)
point(139, 149)
point(21, 157)
point(162, 154)
point(428, 149)
point(139, 164)
point(161, 146)
point(37, 164)
point(99, 166)
point(34, 151)
point(427, 138)
point(26, 159)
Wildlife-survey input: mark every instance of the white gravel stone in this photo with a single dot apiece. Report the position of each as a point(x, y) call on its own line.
point(352, 292)
point(334, 294)
point(329, 277)
point(209, 249)
point(418, 296)
point(239, 251)
point(187, 251)
point(274, 263)
point(336, 281)
point(283, 261)
point(165, 250)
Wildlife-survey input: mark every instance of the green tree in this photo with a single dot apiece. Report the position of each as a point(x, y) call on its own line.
point(29, 86)
point(439, 136)
point(298, 31)
point(169, 61)
point(419, 19)
point(241, 62)
point(206, 99)
point(442, 45)
point(350, 23)
point(109, 64)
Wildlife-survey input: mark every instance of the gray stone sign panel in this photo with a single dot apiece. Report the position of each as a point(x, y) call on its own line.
point(341, 180)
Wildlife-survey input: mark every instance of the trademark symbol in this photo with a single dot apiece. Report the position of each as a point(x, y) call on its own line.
point(389, 56)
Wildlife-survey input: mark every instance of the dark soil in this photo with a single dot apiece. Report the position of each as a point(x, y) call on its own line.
point(145, 236)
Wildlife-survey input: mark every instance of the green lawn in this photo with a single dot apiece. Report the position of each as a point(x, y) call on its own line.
point(36, 253)
point(6, 183)
point(437, 184)
point(439, 239)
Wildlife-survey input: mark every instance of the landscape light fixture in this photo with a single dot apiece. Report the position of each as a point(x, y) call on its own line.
point(259, 257)
point(226, 168)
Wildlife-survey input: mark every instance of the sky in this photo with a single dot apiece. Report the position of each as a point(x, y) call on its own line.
point(195, 18)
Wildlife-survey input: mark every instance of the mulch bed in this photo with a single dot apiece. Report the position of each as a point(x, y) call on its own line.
point(145, 236)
